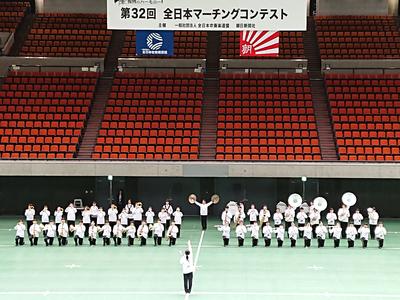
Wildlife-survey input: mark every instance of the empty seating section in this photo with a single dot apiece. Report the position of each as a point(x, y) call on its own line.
point(187, 44)
point(68, 35)
point(291, 45)
point(366, 116)
point(11, 14)
point(266, 117)
point(42, 115)
point(358, 37)
point(152, 117)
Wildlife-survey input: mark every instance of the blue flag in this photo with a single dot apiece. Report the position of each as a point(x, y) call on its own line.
point(150, 42)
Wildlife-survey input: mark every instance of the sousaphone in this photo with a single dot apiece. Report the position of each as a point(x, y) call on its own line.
point(295, 200)
point(320, 203)
point(349, 199)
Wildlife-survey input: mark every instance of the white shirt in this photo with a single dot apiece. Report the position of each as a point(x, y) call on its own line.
point(80, 230)
point(30, 214)
point(336, 232)
point(106, 229)
point(131, 230)
point(364, 233)
point(143, 231)
point(93, 232)
point(112, 214)
point(253, 214)
point(94, 210)
point(226, 216)
point(101, 217)
point(301, 217)
point(289, 215)
point(123, 218)
point(45, 215)
point(267, 232)
point(255, 230)
point(380, 233)
point(169, 210)
point(373, 218)
point(203, 208)
point(129, 208)
point(241, 231)
point(226, 231)
point(71, 211)
point(158, 229)
point(187, 264)
point(149, 217)
point(315, 216)
point(357, 218)
point(280, 233)
point(351, 233)
point(173, 231)
point(331, 218)
point(137, 213)
point(118, 230)
point(264, 215)
point(50, 230)
point(307, 232)
point(20, 228)
point(293, 232)
point(86, 216)
point(163, 216)
point(278, 218)
point(240, 215)
point(63, 229)
point(321, 232)
point(344, 215)
point(178, 217)
point(58, 216)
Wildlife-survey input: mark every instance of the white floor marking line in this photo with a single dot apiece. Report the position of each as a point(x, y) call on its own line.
point(197, 257)
point(315, 268)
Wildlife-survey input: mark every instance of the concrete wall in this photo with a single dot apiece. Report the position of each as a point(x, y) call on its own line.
point(267, 65)
point(352, 7)
point(71, 6)
point(360, 66)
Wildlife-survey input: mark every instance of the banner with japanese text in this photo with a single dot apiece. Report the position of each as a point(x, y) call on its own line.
point(154, 42)
point(207, 15)
point(259, 43)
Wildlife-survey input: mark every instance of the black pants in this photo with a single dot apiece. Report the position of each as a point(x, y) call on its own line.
point(71, 234)
point(287, 225)
point(151, 231)
point(179, 230)
point(187, 282)
point(106, 241)
point(33, 240)
point(92, 241)
point(350, 243)
point(321, 243)
point(240, 242)
point(357, 227)
point(301, 232)
point(203, 222)
point(307, 243)
point(380, 241)
point(314, 235)
point(48, 241)
point(157, 240)
point(137, 224)
point(143, 241)
point(336, 243)
point(112, 224)
point(130, 240)
point(267, 242)
point(101, 232)
point(172, 241)
point(93, 219)
point(280, 243)
point(62, 241)
point(364, 243)
point(78, 241)
point(87, 225)
point(44, 231)
point(254, 242)
point(372, 231)
point(292, 243)
point(117, 241)
point(165, 229)
point(226, 241)
point(330, 234)
point(344, 226)
point(19, 241)
point(28, 225)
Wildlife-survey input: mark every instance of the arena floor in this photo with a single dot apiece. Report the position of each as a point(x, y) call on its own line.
point(154, 272)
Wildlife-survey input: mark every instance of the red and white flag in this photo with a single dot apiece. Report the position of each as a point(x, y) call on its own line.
point(259, 43)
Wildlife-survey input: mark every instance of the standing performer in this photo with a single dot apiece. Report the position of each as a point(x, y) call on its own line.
point(267, 233)
point(20, 233)
point(240, 233)
point(34, 232)
point(255, 232)
point(58, 215)
point(71, 216)
point(293, 232)
point(129, 210)
point(380, 233)
point(113, 216)
point(51, 230)
point(45, 217)
point(94, 210)
point(336, 234)
point(163, 217)
point(226, 216)
point(150, 220)
point(187, 268)
point(301, 220)
point(364, 232)
point(308, 231)
point(131, 233)
point(137, 215)
point(30, 216)
point(178, 220)
point(278, 217)
point(124, 219)
point(143, 232)
point(331, 218)
point(343, 217)
point(86, 219)
point(169, 210)
point(101, 219)
point(226, 232)
point(351, 233)
point(289, 217)
point(253, 214)
point(315, 216)
point(240, 215)
point(93, 230)
point(172, 233)
point(264, 216)
point(107, 232)
point(158, 229)
point(203, 212)
point(79, 233)
point(357, 219)
point(321, 232)
point(118, 229)
point(62, 233)
point(373, 218)
point(280, 235)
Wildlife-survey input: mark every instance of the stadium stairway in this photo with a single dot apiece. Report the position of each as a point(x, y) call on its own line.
point(319, 96)
point(208, 133)
point(102, 92)
point(22, 33)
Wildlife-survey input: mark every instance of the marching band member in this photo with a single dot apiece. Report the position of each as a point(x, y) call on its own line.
point(314, 216)
point(255, 232)
point(380, 233)
point(308, 231)
point(226, 232)
point(172, 233)
point(86, 219)
point(163, 217)
point(351, 233)
point(93, 230)
point(94, 210)
point(20, 233)
point(203, 212)
point(118, 229)
point(264, 216)
point(373, 218)
point(107, 232)
point(79, 233)
point(51, 230)
point(293, 232)
point(226, 216)
point(34, 232)
point(124, 219)
point(364, 232)
point(101, 218)
point(289, 217)
point(158, 229)
point(29, 215)
point(178, 220)
point(312, 206)
point(240, 215)
point(58, 215)
point(331, 218)
point(131, 233)
point(71, 216)
point(129, 210)
point(169, 210)
point(321, 232)
point(45, 216)
point(280, 235)
point(357, 219)
point(253, 214)
point(187, 268)
point(301, 220)
point(150, 220)
point(137, 215)
point(62, 233)
point(240, 233)
point(112, 213)
point(143, 232)
point(343, 217)
point(278, 217)
point(267, 233)
point(336, 234)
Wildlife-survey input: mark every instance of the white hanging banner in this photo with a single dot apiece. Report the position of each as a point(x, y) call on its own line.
point(207, 15)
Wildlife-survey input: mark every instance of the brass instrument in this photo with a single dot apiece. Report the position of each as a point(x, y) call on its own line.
point(215, 199)
point(192, 198)
point(139, 204)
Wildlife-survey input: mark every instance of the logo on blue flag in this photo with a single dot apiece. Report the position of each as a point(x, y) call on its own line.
point(154, 42)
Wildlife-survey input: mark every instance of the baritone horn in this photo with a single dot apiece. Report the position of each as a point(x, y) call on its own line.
point(192, 198)
point(215, 199)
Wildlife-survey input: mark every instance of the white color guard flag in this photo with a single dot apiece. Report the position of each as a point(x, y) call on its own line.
point(259, 43)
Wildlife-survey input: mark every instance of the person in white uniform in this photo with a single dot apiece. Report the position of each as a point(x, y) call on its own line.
point(187, 268)
point(203, 212)
point(86, 219)
point(178, 215)
point(280, 235)
point(137, 215)
point(93, 212)
point(79, 233)
point(351, 233)
point(293, 232)
point(45, 218)
point(131, 233)
point(226, 216)
point(172, 233)
point(373, 218)
point(267, 233)
point(289, 217)
point(169, 210)
point(106, 230)
point(20, 233)
point(158, 230)
point(343, 217)
point(364, 232)
point(308, 232)
point(62, 233)
point(143, 233)
point(336, 232)
point(163, 217)
point(58, 215)
point(29, 215)
point(321, 232)
point(357, 220)
point(113, 217)
point(71, 216)
point(255, 232)
point(301, 220)
point(240, 233)
point(278, 217)
point(150, 220)
point(93, 231)
point(380, 232)
point(118, 230)
point(253, 214)
point(51, 233)
point(331, 217)
point(226, 232)
point(34, 232)
point(264, 216)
